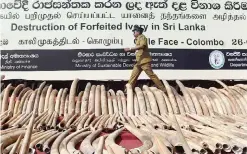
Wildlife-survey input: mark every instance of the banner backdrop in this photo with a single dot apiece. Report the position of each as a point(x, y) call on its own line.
point(67, 39)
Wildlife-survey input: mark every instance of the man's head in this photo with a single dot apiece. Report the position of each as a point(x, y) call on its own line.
point(137, 30)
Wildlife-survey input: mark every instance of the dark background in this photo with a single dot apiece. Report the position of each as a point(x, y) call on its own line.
point(187, 59)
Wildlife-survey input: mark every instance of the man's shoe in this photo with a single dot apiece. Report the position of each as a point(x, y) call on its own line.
point(164, 90)
point(125, 91)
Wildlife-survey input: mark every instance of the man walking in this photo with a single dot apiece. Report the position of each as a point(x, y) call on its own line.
point(143, 59)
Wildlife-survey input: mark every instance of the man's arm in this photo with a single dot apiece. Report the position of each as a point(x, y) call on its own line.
point(137, 47)
point(142, 44)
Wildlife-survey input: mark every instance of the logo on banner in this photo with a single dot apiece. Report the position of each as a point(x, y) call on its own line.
point(79, 54)
point(216, 59)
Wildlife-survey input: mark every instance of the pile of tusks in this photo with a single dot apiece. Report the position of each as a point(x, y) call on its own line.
point(54, 121)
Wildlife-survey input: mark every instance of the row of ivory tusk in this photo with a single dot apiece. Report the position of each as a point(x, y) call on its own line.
point(158, 134)
point(229, 100)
